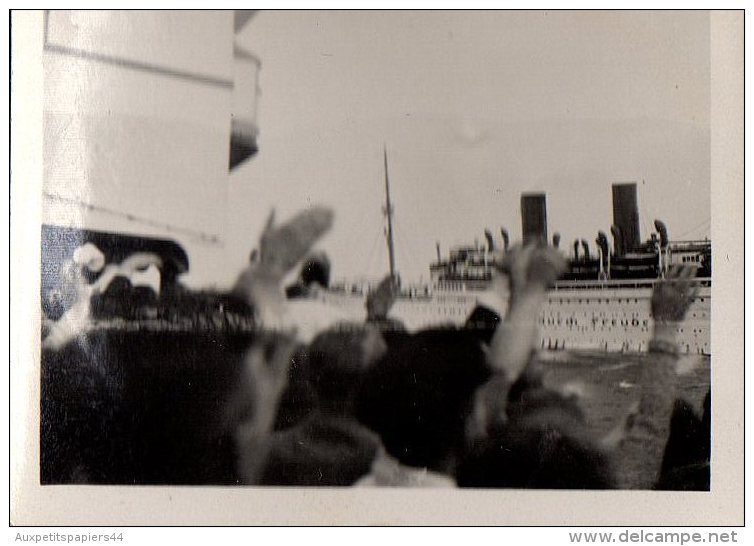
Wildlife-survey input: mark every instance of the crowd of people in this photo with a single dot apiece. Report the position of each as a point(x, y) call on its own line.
point(361, 404)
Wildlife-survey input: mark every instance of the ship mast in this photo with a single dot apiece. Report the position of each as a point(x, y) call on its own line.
point(388, 211)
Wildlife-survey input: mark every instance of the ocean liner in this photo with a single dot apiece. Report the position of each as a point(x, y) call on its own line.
point(602, 301)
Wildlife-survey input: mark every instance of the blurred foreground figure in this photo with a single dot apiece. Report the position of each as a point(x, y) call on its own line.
point(523, 434)
point(309, 453)
point(281, 249)
point(417, 398)
point(329, 446)
point(537, 438)
point(437, 408)
point(422, 397)
point(639, 454)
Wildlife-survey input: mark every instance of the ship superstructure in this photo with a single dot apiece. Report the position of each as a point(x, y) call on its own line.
point(602, 301)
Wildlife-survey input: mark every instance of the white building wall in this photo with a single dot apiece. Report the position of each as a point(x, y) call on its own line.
point(137, 126)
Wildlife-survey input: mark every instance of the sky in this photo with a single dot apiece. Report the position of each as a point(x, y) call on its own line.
point(474, 108)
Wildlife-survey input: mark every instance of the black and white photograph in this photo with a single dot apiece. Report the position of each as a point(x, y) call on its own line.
point(381, 250)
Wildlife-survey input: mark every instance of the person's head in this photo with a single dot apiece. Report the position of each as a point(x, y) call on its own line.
point(483, 321)
point(419, 395)
point(535, 458)
point(542, 442)
point(337, 361)
point(316, 270)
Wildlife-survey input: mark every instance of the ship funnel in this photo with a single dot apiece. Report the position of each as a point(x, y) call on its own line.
point(585, 245)
point(490, 241)
point(617, 240)
point(626, 216)
point(663, 231)
point(576, 250)
point(506, 238)
point(534, 218)
point(556, 239)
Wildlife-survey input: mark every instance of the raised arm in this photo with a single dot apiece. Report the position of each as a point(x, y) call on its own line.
point(531, 272)
point(266, 362)
point(280, 249)
point(265, 377)
point(638, 458)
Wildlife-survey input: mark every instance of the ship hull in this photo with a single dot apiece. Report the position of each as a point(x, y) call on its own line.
point(611, 316)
